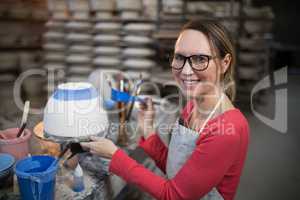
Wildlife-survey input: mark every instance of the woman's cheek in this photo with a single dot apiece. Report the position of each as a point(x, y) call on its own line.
point(176, 76)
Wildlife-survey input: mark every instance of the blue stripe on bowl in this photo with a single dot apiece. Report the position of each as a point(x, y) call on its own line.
point(79, 94)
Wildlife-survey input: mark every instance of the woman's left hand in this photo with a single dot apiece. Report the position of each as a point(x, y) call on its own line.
point(100, 146)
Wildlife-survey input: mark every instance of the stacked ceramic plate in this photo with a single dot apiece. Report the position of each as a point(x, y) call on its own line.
point(57, 9)
point(54, 47)
point(56, 73)
point(107, 45)
point(54, 37)
point(80, 9)
point(129, 9)
point(172, 6)
point(138, 53)
point(103, 9)
point(79, 42)
point(76, 26)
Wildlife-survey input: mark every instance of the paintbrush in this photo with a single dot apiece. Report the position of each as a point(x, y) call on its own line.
point(24, 118)
point(122, 139)
point(60, 156)
point(134, 93)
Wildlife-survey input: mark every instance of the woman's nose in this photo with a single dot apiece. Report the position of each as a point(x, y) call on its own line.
point(187, 68)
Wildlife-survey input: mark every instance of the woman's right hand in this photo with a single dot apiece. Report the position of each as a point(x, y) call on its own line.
point(146, 116)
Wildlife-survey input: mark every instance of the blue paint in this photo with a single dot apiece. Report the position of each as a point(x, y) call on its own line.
point(124, 97)
point(109, 104)
point(78, 94)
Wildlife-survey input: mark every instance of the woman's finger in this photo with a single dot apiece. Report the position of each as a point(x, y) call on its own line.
point(93, 152)
point(149, 104)
point(95, 138)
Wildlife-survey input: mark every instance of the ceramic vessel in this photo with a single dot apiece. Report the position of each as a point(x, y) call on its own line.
point(73, 111)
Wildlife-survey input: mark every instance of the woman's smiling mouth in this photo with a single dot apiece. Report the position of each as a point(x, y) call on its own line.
point(189, 82)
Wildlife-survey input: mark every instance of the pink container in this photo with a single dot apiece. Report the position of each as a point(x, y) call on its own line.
point(17, 147)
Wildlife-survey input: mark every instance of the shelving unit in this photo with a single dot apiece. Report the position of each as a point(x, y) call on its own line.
point(93, 20)
point(22, 25)
point(168, 25)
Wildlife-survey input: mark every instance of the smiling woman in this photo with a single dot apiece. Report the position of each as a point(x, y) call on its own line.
point(206, 154)
point(211, 56)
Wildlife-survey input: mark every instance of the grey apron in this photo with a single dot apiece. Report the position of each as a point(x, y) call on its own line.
point(181, 146)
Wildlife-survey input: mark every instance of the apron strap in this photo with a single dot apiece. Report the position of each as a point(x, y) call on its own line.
point(181, 122)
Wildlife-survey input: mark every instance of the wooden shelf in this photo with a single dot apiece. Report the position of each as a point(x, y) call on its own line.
point(21, 48)
point(115, 19)
point(22, 20)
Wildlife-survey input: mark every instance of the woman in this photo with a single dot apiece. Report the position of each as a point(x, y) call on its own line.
point(206, 154)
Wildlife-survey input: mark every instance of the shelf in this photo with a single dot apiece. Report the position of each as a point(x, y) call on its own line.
point(22, 20)
point(187, 1)
point(115, 19)
point(166, 35)
point(21, 48)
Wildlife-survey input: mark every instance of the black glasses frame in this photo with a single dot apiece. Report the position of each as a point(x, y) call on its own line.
point(188, 58)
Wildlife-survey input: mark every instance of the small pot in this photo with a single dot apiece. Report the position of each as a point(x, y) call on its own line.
point(18, 147)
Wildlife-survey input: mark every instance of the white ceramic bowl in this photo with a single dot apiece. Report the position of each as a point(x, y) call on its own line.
point(139, 27)
point(54, 36)
point(103, 15)
point(107, 61)
point(78, 37)
point(78, 26)
point(106, 38)
point(107, 26)
point(107, 50)
point(139, 64)
point(129, 15)
point(102, 5)
point(138, 52)
point(53, 25)
point(80, 48)
point(74, 110)
point(129, 5)
point(138, 40)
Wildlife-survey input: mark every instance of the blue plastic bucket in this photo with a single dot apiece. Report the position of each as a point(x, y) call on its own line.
point(36, 178)
point(6, 170)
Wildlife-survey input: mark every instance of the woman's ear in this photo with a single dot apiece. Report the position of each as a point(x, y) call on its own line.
point(225, 63)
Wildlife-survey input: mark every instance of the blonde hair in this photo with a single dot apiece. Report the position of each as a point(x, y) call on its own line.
point(221, 42)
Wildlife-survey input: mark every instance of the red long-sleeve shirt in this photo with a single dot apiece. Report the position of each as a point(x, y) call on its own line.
point(217, 161)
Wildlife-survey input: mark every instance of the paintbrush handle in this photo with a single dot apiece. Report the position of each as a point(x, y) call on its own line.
point(21, 130)
point(62, 153)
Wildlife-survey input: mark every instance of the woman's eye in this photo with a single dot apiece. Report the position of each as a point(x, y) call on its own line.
point(199, 59)
point(179, 57)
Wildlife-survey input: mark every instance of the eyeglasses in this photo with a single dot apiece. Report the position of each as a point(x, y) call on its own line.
point(197, 62)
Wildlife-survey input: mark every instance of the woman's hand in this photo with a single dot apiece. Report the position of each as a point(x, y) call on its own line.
point(100, 146)
point(146, 118)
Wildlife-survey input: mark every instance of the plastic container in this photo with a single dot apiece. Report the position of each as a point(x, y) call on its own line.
point(17, 147)
point(6, 170)
point(78, 183)
point(36, 179)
